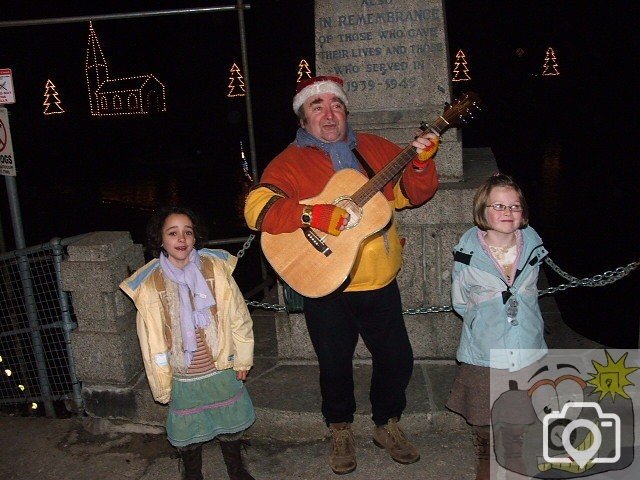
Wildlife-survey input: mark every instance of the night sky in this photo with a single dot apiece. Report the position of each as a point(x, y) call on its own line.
point(590, 110)
point(191, 54)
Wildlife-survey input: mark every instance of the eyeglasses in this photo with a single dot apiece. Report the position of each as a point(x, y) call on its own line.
point(501, 207)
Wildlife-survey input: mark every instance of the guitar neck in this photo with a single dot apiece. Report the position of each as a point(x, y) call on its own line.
point(384, 176)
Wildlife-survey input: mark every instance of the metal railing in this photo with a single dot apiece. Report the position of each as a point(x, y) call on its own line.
point(36, 320)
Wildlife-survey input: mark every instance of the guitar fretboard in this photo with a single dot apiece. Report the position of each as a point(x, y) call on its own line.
point(380, 179)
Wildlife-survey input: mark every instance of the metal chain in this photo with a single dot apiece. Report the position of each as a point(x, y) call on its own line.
point(606, 278)
point(245, 246)
point(420, 310)
point(266, 306)
point(559, 271)
point(262, 305)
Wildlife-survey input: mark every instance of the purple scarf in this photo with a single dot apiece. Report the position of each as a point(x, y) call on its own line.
point(190, 282)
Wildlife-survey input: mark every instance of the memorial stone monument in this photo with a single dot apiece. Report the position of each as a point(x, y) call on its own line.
point(393, 56)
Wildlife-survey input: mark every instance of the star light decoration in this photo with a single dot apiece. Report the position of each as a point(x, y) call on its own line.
point(135, 95)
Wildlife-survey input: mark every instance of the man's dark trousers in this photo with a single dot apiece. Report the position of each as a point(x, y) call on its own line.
point(334, 323)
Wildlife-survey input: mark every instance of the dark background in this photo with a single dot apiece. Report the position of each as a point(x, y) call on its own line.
point(569, 140)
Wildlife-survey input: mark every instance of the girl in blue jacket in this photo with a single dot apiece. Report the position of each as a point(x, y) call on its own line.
point(494, 289)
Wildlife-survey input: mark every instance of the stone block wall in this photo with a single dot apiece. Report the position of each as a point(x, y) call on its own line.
point(105, 344)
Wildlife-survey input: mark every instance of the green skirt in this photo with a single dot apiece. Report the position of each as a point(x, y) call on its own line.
point(203, 407)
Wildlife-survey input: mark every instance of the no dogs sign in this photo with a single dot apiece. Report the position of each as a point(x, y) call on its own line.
point(7, 163)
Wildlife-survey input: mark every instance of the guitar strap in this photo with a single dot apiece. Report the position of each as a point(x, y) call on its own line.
point(363, 163)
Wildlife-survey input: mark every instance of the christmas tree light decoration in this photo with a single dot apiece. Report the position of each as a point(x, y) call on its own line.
point(34, 406)
point(303, 70)
point(550, 67)
point(461, 69)
point(7, 372)
point(236, 82)
point(136, 95)
point(51, 100)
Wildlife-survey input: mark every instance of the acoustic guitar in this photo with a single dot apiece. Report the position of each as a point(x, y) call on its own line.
point(315, 263)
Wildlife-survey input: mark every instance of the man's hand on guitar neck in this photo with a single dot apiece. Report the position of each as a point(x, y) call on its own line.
point(426, 147)
point(326, 217)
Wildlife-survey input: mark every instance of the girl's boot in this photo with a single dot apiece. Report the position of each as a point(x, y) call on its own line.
point(191, 462)
point(482, 449)
point(233, 460)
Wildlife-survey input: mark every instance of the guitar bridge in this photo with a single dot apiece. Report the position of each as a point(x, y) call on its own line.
point(316, 241)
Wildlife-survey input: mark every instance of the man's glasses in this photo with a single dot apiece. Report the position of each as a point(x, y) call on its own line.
point(501, 207)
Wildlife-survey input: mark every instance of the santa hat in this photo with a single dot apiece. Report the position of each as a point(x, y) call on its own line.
point(317, 86)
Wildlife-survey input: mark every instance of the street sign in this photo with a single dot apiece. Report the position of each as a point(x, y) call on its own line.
point(7, 95)
point(7, 163)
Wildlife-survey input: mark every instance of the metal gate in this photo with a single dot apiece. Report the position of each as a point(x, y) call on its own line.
point(36, 320)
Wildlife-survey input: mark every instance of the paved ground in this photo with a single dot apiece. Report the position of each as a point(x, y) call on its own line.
point(43, 449)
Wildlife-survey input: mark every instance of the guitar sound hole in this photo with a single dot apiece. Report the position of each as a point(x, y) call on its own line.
point(355, 211)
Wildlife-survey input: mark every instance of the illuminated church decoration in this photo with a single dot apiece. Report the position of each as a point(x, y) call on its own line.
point(51, 100)
point(236, 82)
point(303, 70)
point(461, 70)
point(135, 95)
point(550, 66)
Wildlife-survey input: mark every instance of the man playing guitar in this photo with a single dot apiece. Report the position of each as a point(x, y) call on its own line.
point(368, 302)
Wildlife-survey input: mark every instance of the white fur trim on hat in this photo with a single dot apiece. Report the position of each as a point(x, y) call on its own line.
point(318, 88)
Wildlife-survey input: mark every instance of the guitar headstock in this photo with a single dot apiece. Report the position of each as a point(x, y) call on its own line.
point(457, 113)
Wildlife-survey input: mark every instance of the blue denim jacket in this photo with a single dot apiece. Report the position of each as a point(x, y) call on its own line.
point(481, 296)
